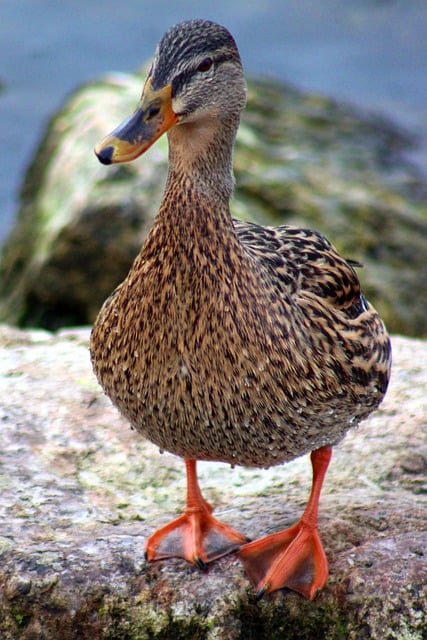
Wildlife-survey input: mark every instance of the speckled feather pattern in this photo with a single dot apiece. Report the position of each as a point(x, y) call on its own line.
point(235, 342)
point(227, 340)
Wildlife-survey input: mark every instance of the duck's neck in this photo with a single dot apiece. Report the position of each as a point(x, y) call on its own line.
point(202, 152)
point(193, 228)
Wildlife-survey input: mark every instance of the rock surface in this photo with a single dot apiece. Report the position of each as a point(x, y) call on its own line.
point(80, 491)
point(300, 159)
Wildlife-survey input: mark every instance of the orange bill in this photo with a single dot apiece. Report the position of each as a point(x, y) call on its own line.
point(135, 135)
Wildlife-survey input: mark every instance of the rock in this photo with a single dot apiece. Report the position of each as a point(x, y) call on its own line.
point(300, 159)
point(80, 491)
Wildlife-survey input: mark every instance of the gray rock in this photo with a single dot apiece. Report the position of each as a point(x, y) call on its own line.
point(300, 159)
point(80, 491)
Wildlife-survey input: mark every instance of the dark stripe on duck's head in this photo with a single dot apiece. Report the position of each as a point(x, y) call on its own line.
point(188, 41)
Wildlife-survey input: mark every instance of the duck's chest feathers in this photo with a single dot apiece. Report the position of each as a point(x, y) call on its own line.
point(178, 316)
point(186, 309)
point(196, 356)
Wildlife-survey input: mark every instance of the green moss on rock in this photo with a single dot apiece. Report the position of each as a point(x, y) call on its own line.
point(300, 159)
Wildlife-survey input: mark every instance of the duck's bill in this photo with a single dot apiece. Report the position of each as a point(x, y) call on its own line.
point(135, 135)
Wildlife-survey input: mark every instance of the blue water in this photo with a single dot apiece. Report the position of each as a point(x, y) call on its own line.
point(372, 53)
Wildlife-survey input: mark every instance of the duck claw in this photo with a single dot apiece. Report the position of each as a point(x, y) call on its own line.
point(196, 536)
point(293, 559)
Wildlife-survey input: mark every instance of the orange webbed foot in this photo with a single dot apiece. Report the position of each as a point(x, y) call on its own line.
point(293, 558)
point(196, 535)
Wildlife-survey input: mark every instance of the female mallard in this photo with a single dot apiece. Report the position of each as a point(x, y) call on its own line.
point(231, 341)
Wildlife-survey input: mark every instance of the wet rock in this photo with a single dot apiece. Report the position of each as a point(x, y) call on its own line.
point(300, 159)
point(80, 491)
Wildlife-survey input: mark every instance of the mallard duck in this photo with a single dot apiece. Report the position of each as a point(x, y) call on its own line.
point(228, 340)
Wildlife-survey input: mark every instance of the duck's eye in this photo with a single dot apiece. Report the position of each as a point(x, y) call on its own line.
point(205, 65)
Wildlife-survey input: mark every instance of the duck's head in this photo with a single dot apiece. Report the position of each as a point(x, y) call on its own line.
point(196, 78)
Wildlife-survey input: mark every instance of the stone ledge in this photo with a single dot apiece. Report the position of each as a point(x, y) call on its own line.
point(80, 491)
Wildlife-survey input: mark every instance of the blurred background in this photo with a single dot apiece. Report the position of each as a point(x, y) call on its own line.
point(371, 53)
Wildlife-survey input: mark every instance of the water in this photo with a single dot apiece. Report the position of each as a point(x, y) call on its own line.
point(370, 52)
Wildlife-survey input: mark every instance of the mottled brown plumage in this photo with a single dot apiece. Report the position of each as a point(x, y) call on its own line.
point(229, 341)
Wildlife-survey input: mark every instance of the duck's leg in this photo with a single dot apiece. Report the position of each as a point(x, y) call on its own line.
point(292, 558)
point(196, 535)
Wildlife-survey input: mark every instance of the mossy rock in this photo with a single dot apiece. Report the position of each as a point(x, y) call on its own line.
point(300, 159)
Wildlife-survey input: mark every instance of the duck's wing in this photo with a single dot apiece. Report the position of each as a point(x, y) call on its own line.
point(304, 262)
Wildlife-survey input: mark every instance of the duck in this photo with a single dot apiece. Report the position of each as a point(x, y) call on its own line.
point(230, 341)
